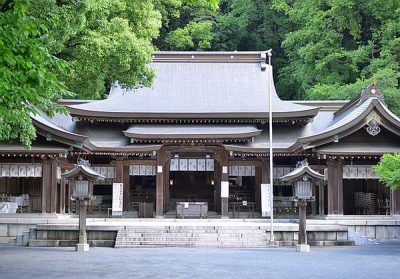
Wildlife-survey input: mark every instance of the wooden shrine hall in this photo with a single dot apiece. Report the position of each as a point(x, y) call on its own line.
point(204, 123)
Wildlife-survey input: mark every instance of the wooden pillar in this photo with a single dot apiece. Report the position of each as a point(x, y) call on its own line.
point(321, 198)
point(62, 195)
point(314, 202)
point(395, 202)
point(160, 185)
point(69, 194)
point(224, 162)
point(53, 186)
point(217, 186)
point(258, 181)
point(126, 190)
point(46, 181)
point(335, 187)
point(166, 185)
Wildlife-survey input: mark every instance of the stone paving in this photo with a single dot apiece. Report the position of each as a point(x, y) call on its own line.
point(371, 261)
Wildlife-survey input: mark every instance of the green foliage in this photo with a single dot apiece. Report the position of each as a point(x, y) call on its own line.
point(338, 47)
point(28, 73)
point(254, 25)
point(204, 3)
point(187, 25)
point(194, 36)
point(102, 40)
point(388, 170)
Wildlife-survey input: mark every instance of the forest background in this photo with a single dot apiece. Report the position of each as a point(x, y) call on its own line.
point(322, 49)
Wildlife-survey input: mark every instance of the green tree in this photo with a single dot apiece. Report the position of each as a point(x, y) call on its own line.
point(254, 25)
point(338, 47)
point(188, 26)
point(388, 170)
point(28, 72)
point(102, 41)
point(194, 36)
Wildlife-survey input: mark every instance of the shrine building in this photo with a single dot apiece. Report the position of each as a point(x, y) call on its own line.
point(204, 123)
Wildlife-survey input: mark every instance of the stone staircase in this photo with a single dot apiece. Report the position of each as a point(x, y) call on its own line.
point(21, 239)
point(191, 236)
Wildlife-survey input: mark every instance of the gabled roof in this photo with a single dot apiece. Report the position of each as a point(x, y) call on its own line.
point(48, 128)
point(368, 106)
point(199, 85)
point(300, 171)
point(87, 171)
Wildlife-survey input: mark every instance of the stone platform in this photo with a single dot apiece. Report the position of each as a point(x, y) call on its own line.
point(62, 230)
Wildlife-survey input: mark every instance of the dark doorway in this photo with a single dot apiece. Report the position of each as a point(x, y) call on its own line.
point(192, 186)
point(365, 197)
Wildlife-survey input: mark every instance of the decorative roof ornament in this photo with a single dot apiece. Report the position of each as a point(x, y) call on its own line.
point(371, 91)
point(373, 121)
point(373, 127)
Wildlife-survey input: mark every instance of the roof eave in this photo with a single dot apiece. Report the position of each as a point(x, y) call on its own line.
point(80, 113)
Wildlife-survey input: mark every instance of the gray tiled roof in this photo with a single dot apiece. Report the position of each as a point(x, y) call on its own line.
point(348, 118)
point(228, 89)
point(36, 148)
point(190, 131)
point(284, 136)
point(359, 148)
point(299, 172)
point(106, 138)
point(86, 170)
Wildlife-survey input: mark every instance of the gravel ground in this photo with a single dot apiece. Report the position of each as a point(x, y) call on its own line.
point(372, 261)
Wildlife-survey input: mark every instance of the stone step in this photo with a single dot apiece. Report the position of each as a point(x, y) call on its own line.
point(193, 231)
point(193, 240)
point(189, 244)
point(194, 243)
point(7, 240)
point(195, 227)
point(51, 243)
point(68, 243)
point(192, 236)
point(319, 243)
point(150, 234)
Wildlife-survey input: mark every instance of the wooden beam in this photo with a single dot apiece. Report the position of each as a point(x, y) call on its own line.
point(246, 163)
point(139, 162)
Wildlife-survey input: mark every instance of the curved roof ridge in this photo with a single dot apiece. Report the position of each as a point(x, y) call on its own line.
point(198, 90)
point(45, 123)
point(352, 118)
point(372, 91)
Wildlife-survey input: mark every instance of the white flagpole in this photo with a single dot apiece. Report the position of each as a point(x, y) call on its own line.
point(271, 180)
